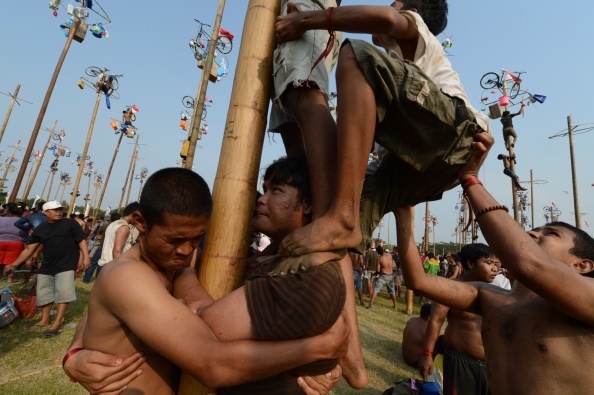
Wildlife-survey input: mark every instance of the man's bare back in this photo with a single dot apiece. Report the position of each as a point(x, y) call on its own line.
point(385, 263)
point(412, 340)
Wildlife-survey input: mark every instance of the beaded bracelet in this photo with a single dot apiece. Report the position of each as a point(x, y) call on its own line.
point(492, 208)
point(67, 357)
point(470, 181)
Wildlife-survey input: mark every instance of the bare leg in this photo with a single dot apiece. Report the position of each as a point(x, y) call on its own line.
point(360, 293)
point(339, 227)
point(59, 316)
point(373, 295)
point(292, 140)
point(393, 297)
point(353, 367)
point(369, 287)
point(45, 313)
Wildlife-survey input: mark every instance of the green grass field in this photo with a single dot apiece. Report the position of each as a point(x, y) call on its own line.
point(32, 365)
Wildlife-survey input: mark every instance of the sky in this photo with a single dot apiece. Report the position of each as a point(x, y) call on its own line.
point(148, 44)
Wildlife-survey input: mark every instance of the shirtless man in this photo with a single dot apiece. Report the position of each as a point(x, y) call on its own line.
point(357, 261)
point(133, 296)
point(539, 336)
point(464, 366)
point(413, 336)
point(385, 268)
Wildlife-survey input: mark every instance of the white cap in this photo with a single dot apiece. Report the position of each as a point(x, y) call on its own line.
point(52, 205)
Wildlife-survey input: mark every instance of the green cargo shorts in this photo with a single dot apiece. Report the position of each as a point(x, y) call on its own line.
point(427, 133)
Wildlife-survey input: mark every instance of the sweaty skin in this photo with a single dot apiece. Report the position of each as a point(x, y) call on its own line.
point(539, 336)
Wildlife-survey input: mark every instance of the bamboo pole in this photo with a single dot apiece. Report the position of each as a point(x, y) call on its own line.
point(14, 97)
point(576, 202)
point(81, 164)
point(50, 185)
point(8, 165)
point(128, 175)
point(98, 207)
point(30, 184)
point(49, 173)
point(48, 95)
point(201, 96)
point(61, 184)
point(62, 195)
point(131, 177)
point(224, 255)
point(409, 296)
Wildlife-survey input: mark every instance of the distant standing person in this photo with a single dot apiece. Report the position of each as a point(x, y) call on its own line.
point(63, 241)
point(385, 268)
point(119, 236)
point(12, 239)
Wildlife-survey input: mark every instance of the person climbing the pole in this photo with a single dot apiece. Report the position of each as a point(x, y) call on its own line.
point(508, 128)
point(405, 96)
point(507, 160)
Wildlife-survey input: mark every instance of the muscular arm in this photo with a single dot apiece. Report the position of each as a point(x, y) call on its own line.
point(135, 295)
point(558, 283)
point(384, 20)
point(438, 316)
point(119, 242)
point(462, 296)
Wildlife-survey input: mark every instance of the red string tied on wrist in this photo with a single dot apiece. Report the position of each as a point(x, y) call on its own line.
point(67, 357)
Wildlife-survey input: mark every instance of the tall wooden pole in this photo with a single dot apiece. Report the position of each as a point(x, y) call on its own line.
point(131, 177)
point(199, 101)
point(81, 164)
point(576, 202)
point(8, 165)
point(61, 184)
point(49, 173)
point(63, 190)
point(512, 163)
point(409, 296)
point(14, 97)
point(426, 235)
point(30, 183)
point(48, 95)
point(128, 175)
point(51, 184)
point(532, 199)
point(87, 195)
point(98, 207)
point(224, 256)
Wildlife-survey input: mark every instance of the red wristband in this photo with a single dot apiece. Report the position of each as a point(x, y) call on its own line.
point(470, 181)
point(67, 357)
point(427, 352)
point(329, 20)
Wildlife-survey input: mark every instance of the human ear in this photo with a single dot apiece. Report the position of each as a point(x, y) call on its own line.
point(307, 208)
point(584, 266)
point(138, 221)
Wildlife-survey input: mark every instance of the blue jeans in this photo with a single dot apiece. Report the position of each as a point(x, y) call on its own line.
point(94, 265)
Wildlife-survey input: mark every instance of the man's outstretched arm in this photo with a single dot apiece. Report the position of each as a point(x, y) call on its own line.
point(559, 283)
point(461, 296)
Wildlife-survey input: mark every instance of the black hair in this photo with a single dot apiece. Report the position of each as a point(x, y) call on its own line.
point(426, 310)
point(292, 172)
point(379, 250)
point(115, 217)
point(500, 156)
point(368, 245)
point(176, 191)
point(505, 113)
point(583, 243)
point(473, 252)
point(431, 255)
point(40, 206)
point(132, 207)
point(14, 209)
point(433, 12)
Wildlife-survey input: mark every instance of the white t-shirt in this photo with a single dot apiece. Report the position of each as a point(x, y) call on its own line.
point(109, 239)
point(430, 58)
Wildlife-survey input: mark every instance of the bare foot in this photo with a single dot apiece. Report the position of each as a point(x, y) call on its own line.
point(323, 234)
point(293, 264)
